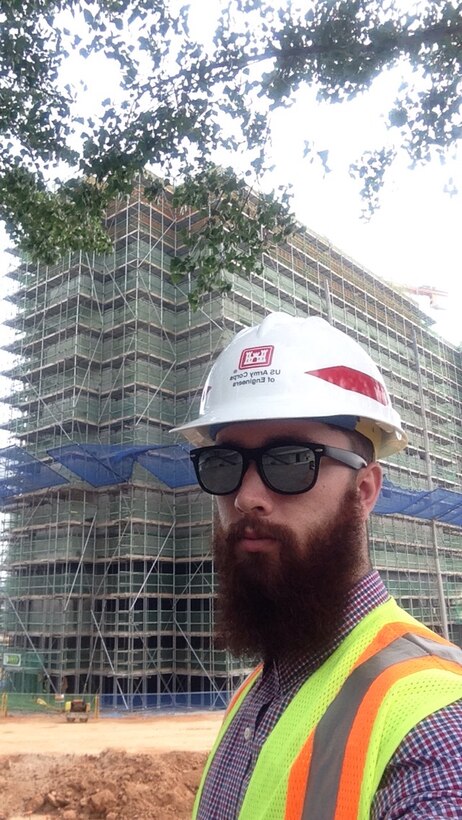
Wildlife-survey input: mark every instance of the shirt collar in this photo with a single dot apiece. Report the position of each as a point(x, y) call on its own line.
point(365, 596)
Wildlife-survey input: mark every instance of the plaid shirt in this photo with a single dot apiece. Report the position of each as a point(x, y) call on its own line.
point(422, 780)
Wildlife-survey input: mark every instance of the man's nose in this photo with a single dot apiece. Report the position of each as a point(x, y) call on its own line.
point(253, 495)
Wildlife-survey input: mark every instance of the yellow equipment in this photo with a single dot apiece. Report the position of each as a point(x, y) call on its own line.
point(77, 709)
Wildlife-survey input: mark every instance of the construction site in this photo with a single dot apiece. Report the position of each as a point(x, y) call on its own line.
point(106, 580)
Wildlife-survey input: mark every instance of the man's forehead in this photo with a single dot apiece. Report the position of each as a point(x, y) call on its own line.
point(258, 433)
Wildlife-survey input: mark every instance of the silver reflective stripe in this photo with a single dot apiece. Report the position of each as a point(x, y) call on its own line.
point(334, 728)
point(447, 653)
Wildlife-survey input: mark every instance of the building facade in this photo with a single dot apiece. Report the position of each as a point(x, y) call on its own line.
point(110, 590)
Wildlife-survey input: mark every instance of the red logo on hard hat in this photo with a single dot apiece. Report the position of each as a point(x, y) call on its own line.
point(352, 380)
point(256, 357)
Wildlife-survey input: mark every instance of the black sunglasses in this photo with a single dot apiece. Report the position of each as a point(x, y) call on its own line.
point(285, 468)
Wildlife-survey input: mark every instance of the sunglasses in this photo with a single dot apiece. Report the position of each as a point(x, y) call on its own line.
point(288, 469)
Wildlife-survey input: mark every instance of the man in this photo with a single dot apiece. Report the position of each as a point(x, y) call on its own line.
point(353, 712)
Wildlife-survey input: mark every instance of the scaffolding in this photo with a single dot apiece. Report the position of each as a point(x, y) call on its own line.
point(110, 590)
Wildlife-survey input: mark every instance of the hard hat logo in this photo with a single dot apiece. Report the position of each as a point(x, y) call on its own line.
point(353, 380)
point(256, 357)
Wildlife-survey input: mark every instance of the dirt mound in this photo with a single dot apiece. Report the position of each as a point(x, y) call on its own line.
point(112, 785)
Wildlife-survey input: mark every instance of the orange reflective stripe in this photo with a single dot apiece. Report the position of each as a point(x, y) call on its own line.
point(390, 632)
point(351, 777)
point(298, 779)
point(242, 688)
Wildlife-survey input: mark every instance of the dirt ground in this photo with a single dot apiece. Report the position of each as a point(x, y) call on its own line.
point(113, 768)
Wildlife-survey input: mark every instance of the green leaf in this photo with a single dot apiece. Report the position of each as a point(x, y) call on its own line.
point(88, 17)
point(180, 104)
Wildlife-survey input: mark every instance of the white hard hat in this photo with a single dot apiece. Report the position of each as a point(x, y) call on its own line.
point(294, 368)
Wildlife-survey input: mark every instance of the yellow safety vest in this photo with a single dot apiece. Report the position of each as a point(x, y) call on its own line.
point(325, 757)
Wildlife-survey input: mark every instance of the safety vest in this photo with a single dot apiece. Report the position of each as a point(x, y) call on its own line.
point(325, 757)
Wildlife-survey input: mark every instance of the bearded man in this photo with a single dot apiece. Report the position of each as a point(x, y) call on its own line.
point(355, 709)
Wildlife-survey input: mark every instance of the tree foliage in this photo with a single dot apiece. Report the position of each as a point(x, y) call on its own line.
point(181, 104)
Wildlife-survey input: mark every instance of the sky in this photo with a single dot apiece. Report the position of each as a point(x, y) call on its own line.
point(412, 240)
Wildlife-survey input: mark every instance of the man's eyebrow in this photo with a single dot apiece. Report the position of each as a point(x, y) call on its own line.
point(277, 441)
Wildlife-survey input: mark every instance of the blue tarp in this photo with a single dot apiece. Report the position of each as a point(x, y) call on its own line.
point(98, 464)
point(440, 504)
point(171, 464)
point(21, 473)
point(104, 465)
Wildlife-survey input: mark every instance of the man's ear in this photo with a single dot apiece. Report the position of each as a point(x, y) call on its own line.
point(369, 483)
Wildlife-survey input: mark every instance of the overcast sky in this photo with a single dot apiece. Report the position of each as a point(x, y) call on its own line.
point(413, 239)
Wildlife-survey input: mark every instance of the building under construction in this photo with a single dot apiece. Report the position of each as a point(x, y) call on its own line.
point(107, 586)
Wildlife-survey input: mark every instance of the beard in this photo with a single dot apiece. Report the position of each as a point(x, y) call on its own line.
point(292, 600)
